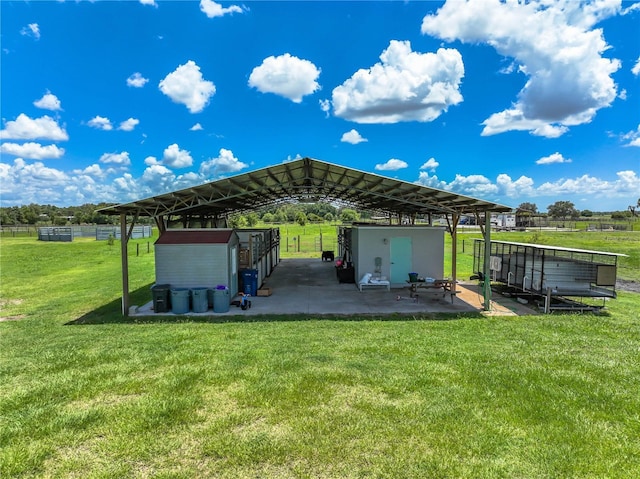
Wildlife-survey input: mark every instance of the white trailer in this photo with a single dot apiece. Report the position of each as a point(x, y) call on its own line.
point(503, 222)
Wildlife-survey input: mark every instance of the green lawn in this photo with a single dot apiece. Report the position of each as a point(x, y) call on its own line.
point(536, 396)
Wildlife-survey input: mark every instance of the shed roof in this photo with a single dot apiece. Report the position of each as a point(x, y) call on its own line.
point(305, 180)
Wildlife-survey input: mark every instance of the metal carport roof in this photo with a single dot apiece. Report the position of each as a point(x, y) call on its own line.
point(306, 180)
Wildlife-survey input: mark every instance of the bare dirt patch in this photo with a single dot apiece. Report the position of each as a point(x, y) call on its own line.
point(10, 302)
point(628, 285)
point(17, 317)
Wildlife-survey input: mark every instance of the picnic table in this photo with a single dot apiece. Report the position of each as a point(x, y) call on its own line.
point(436, 286)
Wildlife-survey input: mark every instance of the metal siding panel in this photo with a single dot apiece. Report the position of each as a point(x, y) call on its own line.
point(427, 249)
point(428, 252)
point(186, 266)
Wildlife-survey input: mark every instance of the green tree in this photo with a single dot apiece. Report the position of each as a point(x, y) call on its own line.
point(29, 214)
point(527, 208)
point(8, 216)
point(620, 215)
point(349, 216)
point(236, 221)
point(563, 210)
point(279, 217)
point(252, 219)
point(268, 217)
point(301, 218)
point(586, 213)
point(328, 217)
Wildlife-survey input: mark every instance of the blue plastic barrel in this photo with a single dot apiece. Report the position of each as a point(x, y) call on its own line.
point(199, 300)
point(221, 300)
point(180, 300)
point(250, 281)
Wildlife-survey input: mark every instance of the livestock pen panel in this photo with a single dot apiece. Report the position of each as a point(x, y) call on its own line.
point(550, 270)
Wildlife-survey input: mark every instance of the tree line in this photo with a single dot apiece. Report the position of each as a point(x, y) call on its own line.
point(301, 213)
point(35, 214)
point(566, 210)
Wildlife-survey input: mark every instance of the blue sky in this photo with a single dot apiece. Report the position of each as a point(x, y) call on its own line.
point(509, 102)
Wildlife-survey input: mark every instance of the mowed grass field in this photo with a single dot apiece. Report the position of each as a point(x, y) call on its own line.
point(503, 397)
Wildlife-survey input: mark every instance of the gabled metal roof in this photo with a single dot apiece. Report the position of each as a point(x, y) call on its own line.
point(305, 180)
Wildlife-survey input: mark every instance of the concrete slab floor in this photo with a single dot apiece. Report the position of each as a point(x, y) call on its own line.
point(309, 286)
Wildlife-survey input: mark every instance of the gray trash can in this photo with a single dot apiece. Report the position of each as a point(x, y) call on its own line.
point(199, 300)
point(160, 294)
point(180, 300)
point(221, 300)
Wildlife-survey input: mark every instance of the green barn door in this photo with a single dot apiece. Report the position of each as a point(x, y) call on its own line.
point(400, 254)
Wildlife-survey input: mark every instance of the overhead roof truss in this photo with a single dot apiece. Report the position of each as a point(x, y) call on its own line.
point(305, 180)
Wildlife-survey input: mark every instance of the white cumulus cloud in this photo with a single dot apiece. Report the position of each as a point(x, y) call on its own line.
point(26, 128)
point(636, 68)
point(325, 106)
point(137, 80)
point(174, 157)
point(129, 125)
point(24, 182)
point(473, 185)
point(187, 86)
point(352, 137)
point(196, 127)
point(555, 45)
point(31, 30)
point(554, 158)
point(392, 165)
point(523, 186)
point(33, 151)
point(212, 9)
point(287, 76)
point(225, 162)
point(120, 159)
point(151, 3)
point(404, 86)
point(626, 184)
point(633, 137)
point(430, 164)
point(158, 176)
point(92, 171)
point(48, 102)
point(100, 123)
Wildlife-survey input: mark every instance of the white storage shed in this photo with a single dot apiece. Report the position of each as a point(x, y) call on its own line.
point(190, 258)
point(401, 249)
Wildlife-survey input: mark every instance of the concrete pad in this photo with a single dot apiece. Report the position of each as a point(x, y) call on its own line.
point(309, 286)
